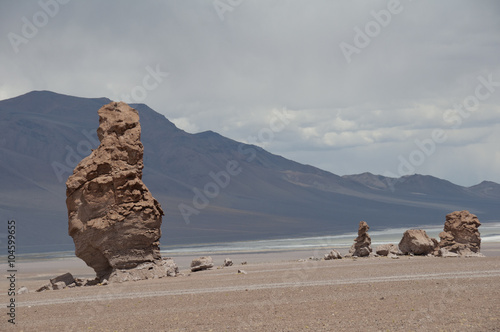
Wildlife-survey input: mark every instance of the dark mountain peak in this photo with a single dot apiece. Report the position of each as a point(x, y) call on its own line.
point(486, 189)
point(230, 190)
point(370, 180)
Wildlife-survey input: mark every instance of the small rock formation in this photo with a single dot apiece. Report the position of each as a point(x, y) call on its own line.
point(461, 234)
point(242, 272)
point(417, 242)
point(113, 218)
point(202, 263)
point(334, 254)
point(59, 282)
point(227, 262)
point(387, 249)
point(166, 267)
point(362, 244)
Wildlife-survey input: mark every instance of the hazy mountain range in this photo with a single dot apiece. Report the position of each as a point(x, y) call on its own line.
point(228, 191)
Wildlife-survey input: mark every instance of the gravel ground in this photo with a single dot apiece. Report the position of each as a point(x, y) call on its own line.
point(374, 294)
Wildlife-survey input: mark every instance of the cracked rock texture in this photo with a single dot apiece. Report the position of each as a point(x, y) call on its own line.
point(417, 242)
point(362, 244)
point(461, 234)
point(113, 218)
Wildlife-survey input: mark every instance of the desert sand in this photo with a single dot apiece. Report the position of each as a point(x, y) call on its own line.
point(277, 293)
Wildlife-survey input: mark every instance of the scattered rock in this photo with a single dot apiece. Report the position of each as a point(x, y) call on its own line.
point(460, 234)
point(334, 254)
point(243, 263)
point(113, 218)
point(227, 262)
point(443, 252)
point(60, 282)
point(362, 244)
point(386, 249)
point(58, 285)
point(416, 242)
point(150, 270)
point(23, 290)
point(44, 288)
point(242, 272)
point(202, 263)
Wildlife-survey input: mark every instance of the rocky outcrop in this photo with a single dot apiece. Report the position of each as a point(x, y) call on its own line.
point(362, 244)
point(113, 218)
point(165, 267)
point(334, 254)
point(417, 242)
point(202, 263)
point(387, 249)
point(461, 234)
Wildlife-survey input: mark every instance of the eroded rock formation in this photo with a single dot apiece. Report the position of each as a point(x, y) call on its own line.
point(461, 234)
point(362, 244)
point(113, 218)
point(417, 242)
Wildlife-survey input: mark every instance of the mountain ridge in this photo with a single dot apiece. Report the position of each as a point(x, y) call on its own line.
point(45, 134)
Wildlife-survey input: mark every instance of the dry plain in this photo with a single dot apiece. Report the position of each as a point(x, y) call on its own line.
point(277, 293)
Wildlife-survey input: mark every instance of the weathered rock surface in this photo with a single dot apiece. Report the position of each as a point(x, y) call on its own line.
point(387, 249)
point(461, 234)
point(202, 263)
point(165, 267)
point(113, 218)
point(417, 242)
point(362, 244)
point(66, 279)
point(334, 254)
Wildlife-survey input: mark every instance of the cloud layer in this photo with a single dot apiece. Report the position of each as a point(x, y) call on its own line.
point(413, 63)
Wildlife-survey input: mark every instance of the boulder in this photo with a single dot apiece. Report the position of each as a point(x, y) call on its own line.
point(416, 242)
point(386, 249)
point(362, 244)
point(113, 218)
point(334, 254)
point(460, 234)
point(227, 262)
point(62, 281)
point(202, 263)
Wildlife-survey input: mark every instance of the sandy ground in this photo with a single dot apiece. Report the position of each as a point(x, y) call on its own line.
point(278, 293)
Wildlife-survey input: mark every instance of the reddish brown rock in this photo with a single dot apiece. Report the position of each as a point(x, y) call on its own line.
point(417, 242)
point(113, 218)
point(461, 234)
point(362, 244)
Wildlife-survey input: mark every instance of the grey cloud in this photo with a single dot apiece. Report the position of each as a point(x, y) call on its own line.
point(229, 75)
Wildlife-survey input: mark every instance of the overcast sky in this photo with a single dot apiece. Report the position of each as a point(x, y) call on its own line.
point(380, 86)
